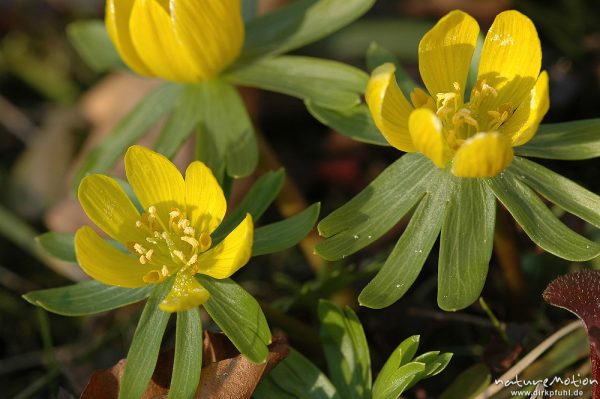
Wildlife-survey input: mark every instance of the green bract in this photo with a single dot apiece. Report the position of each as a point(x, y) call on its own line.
point(349, 364)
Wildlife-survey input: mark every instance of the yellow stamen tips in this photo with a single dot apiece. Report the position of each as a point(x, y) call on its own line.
point(190, 240)
point(139, 249)
point(193, 260)
point(156, 276)
point(205, 242)
point(179, 255)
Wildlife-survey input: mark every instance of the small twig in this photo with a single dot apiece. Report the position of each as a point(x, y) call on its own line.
point(530, 358)
point(500, 327)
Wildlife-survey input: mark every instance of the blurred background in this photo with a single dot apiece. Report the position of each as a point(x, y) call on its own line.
point(53, 108)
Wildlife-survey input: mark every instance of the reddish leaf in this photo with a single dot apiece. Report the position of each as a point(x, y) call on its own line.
point(225, 373)
point(579, 293)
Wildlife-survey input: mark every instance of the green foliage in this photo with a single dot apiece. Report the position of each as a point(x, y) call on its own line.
point(93, 44)
point(538, 221)
point(327, 83)
point(239, 316)
point(299, 24)
point(255, 202)
point(354, 122)
point(466, 244)
point(346, 351)
point(143, 352)
point(469, 383)
point(348, 359)
point(85, 298)
point(58, 245)
point(296, 377)
point(280, 236)
point(146, 113)
point(570, 140)
point(187, 362)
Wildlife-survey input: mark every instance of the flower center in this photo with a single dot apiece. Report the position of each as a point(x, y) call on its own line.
point(461, 121)
point(173, 248)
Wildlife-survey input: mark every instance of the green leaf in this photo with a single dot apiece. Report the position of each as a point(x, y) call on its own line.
point(183, 120)
point(249, 9)
point(239, 316)
point(298, 24)
point(434, 362)
point(188, 355)
point(404, 264)
point(354, 122)
point(129, 130)
point(558, 189)
point(85, 298)
point(282, 235)
point(570, 141)
point(296, 377)
point(398, 382)
point(256, 202)
point(93, 44)
point(327, 83)
point(469, 383)
point(539, 222)
point(378, 55)
point(58, 245)
point(226, 119)
point(402, 355)
point(376, 209)
point(346, 350)
point(466, 244)
point(143, 352)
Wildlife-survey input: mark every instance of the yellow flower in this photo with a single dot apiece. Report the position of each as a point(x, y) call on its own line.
point(184, 41)
point(475, 134)
point(173, 235)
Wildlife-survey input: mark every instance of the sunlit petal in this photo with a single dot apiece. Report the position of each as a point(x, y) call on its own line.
point(155, 41)
point(389, 108)
point(510, 59)
point(212, 30)
point(118, 16)
point(483, 155)
point(445, 53)
point(427, 135)
point(104, 263)
point(524, 123)
point(155, 181)
point(107, 205)
point(205, 202)
point(186, 294)
point(230, 254)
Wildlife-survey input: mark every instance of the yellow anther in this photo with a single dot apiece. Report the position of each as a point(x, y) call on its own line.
point(143, 260)
point(139, 249)
point(189, 231)
point(165, 271)
point(456, 86)
point(193, 260)
point(205, 241)
point(149, 254)
point(174, 213)
point(190, 240)
point(179, 255)
point(152, 210)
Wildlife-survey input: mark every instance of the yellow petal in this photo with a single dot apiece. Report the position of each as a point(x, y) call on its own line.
point(186, 294)
point(107, 205)
point(427, 135)
point(511, 59)
point(389, 108)
point(205, 202)
point(524, 123)
point(212, 30)
point(230, 254)
point(420, 99)
point(483, 155)
point(154, 39)
point(118, 14)
point(155, 181)
point(104, 263)
point(445, 53)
